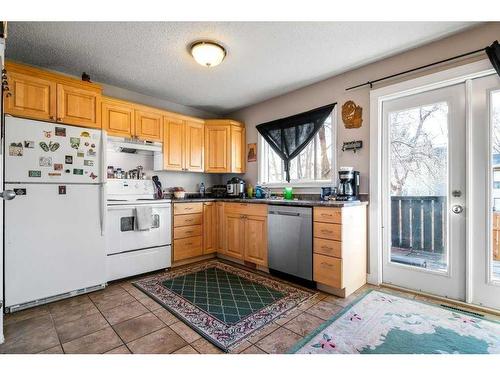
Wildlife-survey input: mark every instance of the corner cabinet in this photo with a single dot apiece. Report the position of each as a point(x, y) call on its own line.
point(225, 146)
point(42, 95)
point(183, 140)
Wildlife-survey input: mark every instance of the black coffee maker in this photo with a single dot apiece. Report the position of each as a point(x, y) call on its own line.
point(348, 189)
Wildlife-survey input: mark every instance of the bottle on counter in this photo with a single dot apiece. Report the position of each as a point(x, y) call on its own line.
point(202, 189)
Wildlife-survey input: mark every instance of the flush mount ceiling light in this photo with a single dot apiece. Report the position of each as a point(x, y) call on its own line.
point(208, 53)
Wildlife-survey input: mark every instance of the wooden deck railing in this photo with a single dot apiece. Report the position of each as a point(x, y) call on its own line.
point(418, 222)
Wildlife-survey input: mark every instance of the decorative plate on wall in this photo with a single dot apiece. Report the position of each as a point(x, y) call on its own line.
point(352, 115)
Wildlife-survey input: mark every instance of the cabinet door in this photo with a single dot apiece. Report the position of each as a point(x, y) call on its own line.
point(148, 125)
point(256, 239)
point(220, 227)
point(238, 149)
point(217, 148)
point(194, 146)
point(209, 228)
point(31, 97)
point(117, 117)
point(234, 235)
point(173, 144)
point(78, 106)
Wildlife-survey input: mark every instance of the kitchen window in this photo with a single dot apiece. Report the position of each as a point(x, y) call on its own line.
point(314, 166)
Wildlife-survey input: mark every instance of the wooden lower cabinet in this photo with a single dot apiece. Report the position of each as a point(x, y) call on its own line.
point(209, 227)
point(234, 227)
point(186, 248)
point(256, 239)
point(220, 227)
point(188, 231)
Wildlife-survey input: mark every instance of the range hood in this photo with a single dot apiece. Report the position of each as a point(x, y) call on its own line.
point(132, 146)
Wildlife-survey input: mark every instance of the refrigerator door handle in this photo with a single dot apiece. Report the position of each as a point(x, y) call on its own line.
point(104, 146)
point(104, 209)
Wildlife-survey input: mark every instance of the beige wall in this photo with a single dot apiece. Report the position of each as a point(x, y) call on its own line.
point(333, 90)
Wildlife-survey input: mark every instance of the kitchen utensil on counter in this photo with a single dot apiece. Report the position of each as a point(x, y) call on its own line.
point(259, 192)
point(236, 187)
point(348, 189)
point(179, 192)
point(326, 192)
point(249, 191)
point(288, 193)
point(158, 189)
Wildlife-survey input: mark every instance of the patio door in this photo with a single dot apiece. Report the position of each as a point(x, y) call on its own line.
point(424, 182)
point(485, 191)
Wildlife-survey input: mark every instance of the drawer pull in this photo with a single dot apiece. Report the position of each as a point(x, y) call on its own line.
point(327, 264)
point(188, 208)
point(324, 247)
point(326, 215)
point(188, 221)
point(326, 231)
point(189, 231)
point(189, 244)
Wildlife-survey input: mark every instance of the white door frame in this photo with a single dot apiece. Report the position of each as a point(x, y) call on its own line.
point(377, 212)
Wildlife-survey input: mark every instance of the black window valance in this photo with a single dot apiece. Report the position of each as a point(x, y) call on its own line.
point(290, 135)
point(493, 53)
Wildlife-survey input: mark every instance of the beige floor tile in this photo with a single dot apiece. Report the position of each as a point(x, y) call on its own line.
point(188, 349)
point(109, 301)
point(120, 350)
point(205, 347)
point(98, 342)
point(136, 292)
point(280, 341)
point(134, 328)
point(253, 350)
point(304, 324)
point(324, 310)
point(285, 318)
point(34, 312)
point(163, 341)
point(262, 332)
point(29, 336)
point(241, 346)
point(56, 308)
point(111, 289)
point(150, 304)
point(124, 312)
point(166, 316)
point(54, 350)
point(76, 312)
point(81, 327)
point(185, 331)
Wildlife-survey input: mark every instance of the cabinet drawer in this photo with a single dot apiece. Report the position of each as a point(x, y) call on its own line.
point(328, 247)
point(188, 208)
point(327, 270)
point(187, 248)
point(254, 209)
point(328, 231)
point(185, 220)
point(328, 215)
point(190, 231)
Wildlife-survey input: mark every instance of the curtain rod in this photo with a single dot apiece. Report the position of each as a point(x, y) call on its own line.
point(370, 83)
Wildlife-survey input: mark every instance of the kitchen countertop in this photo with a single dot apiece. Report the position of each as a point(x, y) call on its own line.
point(280, 202)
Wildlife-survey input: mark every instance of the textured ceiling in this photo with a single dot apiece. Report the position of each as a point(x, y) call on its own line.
point(264, 59)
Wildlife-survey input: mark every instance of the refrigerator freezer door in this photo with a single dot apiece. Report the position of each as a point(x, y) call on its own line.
point(53, 241)
point(39, 152)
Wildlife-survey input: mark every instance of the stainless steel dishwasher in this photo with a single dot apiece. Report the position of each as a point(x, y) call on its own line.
point(290, 240)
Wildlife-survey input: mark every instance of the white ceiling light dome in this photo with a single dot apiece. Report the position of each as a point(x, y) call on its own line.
point(208, 53)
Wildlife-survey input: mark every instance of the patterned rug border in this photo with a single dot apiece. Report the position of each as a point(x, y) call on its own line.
point(296, 295)
point(340, 313)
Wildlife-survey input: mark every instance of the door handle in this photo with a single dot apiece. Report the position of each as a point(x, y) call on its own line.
point(7, 195)
point(457, 209)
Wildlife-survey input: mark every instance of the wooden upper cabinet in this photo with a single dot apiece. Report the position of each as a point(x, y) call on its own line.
point(217, 148)
point(173, 144)
point(78, 106)
point(117, 117)
point(224, 146)
point(238, 146)
point(148, 124)
point(193, 147)
point(30, 96)
point(256, 239)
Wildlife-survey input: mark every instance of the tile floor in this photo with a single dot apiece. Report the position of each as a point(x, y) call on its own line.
point(121, 320)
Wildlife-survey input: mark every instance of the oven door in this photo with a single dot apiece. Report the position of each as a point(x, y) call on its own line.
point(122, 234)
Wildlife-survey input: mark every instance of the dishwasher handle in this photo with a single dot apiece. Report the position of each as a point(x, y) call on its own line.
point(284, 213)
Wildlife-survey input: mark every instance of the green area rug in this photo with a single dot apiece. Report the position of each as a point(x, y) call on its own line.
point(381, 323)
point(222, 302)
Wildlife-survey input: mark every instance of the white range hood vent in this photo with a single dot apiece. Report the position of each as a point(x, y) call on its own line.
point(132, 146)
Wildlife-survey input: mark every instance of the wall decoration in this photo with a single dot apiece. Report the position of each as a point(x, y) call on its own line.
point(47, 133)
point(74, 142)
point(16, 149)
point(352, 146)
point(45, 161)
point(58, 167)
point(352, 115)
point(29, 144)
point(68, 159)
point(44, 146)
point(252, 152)
point(34, 173)
point(60, 132)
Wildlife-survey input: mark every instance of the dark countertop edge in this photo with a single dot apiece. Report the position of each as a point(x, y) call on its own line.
point(276, 202)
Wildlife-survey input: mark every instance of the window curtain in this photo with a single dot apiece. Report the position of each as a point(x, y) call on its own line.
point(493, 53)
point(290, 135)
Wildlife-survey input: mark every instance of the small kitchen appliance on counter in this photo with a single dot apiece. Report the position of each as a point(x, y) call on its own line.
point(236, 188)
point(348, 189)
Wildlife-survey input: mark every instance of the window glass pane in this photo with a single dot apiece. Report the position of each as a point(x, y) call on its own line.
point(274, 165)
point(324, 148)
point(302, 167)
point(495, 164)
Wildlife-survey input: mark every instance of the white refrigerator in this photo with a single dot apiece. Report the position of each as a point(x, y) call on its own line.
point(54, 244)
